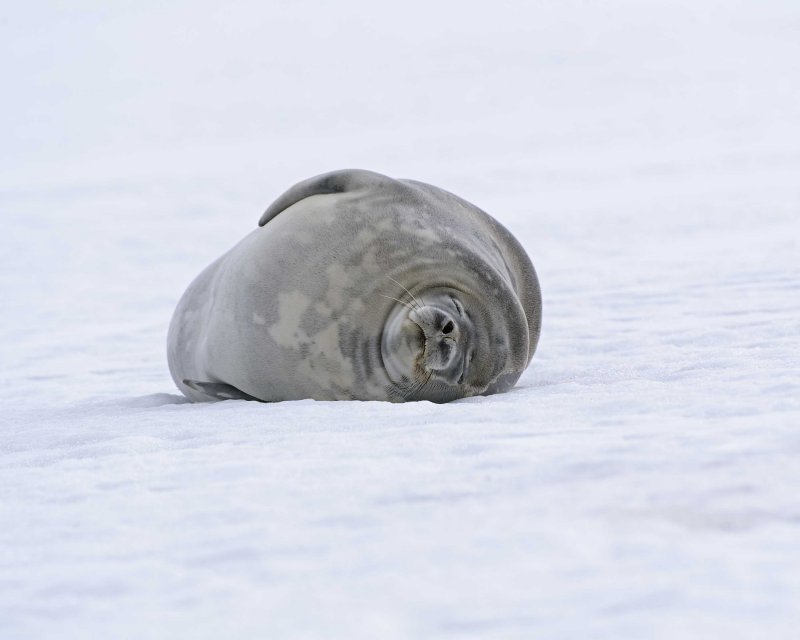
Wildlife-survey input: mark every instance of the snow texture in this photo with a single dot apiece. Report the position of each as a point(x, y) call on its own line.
point(642, 479)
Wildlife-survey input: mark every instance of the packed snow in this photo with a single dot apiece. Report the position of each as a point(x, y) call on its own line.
point(641, 481)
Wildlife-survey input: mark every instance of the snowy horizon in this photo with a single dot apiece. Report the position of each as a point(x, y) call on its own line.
point(640, 481)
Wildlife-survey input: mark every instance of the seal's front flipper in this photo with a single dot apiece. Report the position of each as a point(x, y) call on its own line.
point(218, 390)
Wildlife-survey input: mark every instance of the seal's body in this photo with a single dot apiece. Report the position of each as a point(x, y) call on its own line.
point(359, 286)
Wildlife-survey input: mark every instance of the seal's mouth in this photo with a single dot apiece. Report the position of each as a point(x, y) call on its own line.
point(466, 361)
point(423, 341)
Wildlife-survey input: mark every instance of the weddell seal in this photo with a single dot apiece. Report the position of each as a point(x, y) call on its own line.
point(357, 286)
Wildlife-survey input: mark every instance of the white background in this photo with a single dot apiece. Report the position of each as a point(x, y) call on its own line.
point(641, 481)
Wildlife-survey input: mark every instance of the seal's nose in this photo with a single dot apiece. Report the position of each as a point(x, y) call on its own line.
point(441, 333)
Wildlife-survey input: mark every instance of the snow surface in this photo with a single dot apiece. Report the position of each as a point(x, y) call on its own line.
point(642, 479)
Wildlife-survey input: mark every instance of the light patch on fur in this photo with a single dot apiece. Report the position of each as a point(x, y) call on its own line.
point(428, 234)
point(370, 260)
point(325, 364)
point(327, 340)
point(339, 279)
point(323, 361)
point(329, 374)
point(258, 319)
point(322, 308)
point(291, 307)
point(365, 237)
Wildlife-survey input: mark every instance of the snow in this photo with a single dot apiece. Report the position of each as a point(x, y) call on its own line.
point(641, 481)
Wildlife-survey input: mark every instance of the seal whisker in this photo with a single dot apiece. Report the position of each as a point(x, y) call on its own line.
point(419, 306)
point(405, 304)
point(416, 387)
point(404, 390)
point(427, 380)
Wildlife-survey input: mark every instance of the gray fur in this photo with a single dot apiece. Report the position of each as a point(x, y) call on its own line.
point(359, 286)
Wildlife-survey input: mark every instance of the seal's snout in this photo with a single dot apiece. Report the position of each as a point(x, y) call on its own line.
point(441, 332)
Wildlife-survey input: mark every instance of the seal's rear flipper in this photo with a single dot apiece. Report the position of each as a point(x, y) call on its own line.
point(327, 183)
point(218, 390)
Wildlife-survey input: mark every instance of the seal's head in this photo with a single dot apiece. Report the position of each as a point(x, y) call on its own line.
point(446, 343)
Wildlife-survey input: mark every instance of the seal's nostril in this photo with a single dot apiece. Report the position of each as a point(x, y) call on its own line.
point(448, 327)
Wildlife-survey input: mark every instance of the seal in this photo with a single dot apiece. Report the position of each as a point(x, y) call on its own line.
point(357, 286)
